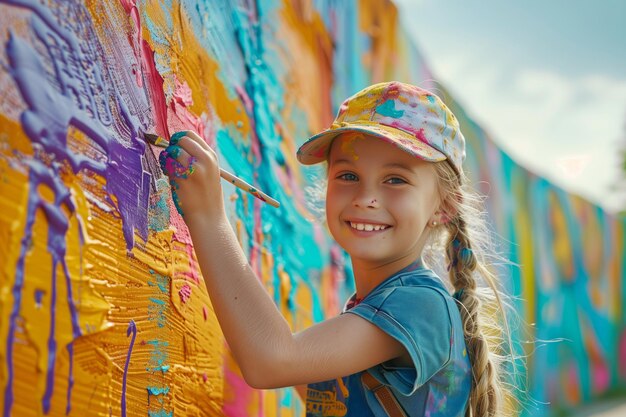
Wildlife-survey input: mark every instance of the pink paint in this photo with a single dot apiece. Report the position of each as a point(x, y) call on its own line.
point(175, 168)
point(600, 374)
point(622, 355)
point(155, 87)
point(194, 272)
point(420, 135)
point(243, 95)
point(134, 38)
point(182, 93)
point(239, 404)
point(184, 293)
point(319, 235)
point(178, 115)
point(249, 106)
point(205, 312)
point(392, 92)
point(601, 377)
point(288, 182)
point(145, 58)
point(204, 377)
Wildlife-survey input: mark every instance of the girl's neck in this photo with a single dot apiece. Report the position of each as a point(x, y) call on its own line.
point(369, 276)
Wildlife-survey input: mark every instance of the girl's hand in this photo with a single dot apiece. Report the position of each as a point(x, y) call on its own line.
point(193, 170)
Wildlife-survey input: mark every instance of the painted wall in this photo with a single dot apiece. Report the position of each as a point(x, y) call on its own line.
point(102, 307)
point(570, 282)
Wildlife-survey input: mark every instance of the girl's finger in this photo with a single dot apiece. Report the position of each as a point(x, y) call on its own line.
point(176, 137)
point(179, 153)
point(193, 148)
point(176, 162)
point(196, 138)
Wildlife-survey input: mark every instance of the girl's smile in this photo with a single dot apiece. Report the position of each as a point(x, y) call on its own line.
point(366, 226)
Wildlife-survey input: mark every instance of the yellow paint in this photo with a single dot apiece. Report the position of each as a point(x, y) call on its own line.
point(561, 238)
point(523, 231)
point(379, 20)
point(13, 198)
point(615, 272)
point(307, 85)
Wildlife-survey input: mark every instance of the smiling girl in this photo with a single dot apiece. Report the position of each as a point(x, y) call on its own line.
point(403, 346)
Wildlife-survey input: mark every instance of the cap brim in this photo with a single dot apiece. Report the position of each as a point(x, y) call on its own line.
point(315, 150)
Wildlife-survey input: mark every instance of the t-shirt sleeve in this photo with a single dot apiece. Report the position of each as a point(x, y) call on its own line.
point(419, 318)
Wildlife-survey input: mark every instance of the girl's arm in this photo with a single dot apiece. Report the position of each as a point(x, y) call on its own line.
point(268, 353)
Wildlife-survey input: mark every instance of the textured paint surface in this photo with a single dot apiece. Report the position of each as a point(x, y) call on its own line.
point(102, 306)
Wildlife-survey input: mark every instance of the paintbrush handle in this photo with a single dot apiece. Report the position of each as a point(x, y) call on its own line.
point(239, 183)
point(236, 181)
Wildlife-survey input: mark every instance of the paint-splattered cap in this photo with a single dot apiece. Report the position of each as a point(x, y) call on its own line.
point(414, 119)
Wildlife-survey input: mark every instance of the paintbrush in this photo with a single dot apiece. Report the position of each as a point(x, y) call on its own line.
point(236, 181)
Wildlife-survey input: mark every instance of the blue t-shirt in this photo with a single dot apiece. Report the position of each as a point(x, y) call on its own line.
point(414, 307)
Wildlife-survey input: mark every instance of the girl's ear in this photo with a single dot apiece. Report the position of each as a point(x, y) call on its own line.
point(438, 217)
point(444, 214)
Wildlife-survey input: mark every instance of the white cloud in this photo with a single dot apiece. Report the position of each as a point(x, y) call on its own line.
point(563, 127)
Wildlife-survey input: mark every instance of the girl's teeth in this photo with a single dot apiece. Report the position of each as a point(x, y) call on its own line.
point(367, 227)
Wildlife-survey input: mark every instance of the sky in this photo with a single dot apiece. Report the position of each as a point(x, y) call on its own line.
point(546, 79)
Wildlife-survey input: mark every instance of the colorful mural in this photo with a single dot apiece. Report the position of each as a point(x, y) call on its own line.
point(102, 306)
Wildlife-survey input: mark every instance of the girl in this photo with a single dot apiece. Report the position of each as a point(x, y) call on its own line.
point(403, 345)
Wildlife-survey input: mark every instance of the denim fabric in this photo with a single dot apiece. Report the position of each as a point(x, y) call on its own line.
point(414, 307)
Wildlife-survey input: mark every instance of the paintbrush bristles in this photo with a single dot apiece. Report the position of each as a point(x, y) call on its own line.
point(156, 140)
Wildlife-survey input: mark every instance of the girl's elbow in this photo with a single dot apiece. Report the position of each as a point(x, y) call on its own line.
point(261, 380)
point(259, 383)
point(267, 375)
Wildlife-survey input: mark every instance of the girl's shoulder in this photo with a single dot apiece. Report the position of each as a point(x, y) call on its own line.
point(414, 280)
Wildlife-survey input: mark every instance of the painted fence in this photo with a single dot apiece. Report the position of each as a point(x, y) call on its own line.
point(102, 306)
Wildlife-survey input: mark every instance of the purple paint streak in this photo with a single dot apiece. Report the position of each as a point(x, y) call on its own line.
point(38, 298)
point(132, 328)
point(76, 332)
point(52, 343)
point(17, 300)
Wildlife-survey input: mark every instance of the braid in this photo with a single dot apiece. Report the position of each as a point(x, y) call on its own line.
point(484, 399)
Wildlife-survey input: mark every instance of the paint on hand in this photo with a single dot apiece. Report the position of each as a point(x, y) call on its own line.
point(174, 169)
point(177, 137)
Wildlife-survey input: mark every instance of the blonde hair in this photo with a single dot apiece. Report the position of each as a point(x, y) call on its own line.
point(465, 239)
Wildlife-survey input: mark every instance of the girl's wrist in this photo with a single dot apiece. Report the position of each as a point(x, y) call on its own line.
point(201, 220)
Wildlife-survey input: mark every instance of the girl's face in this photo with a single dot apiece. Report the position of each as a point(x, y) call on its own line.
point(379, 200)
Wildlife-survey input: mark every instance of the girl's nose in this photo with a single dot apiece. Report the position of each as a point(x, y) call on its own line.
point(365, 200)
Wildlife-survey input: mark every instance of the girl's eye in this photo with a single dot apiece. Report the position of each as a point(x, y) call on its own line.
point(348, 176)
point(395, 180)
